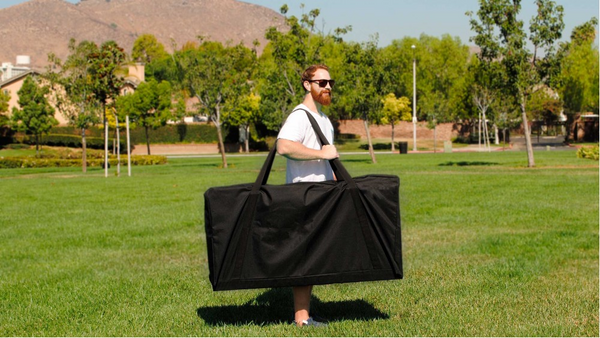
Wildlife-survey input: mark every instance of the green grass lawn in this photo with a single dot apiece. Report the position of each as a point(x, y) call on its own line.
point(491, 248)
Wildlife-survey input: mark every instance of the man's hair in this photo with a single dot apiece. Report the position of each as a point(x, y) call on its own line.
point(310, 72)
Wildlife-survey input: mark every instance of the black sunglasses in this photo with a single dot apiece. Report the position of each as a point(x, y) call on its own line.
point(323, 83)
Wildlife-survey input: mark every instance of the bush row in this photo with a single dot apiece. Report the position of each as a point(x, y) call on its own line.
point(37, 162)
point(71, 141)
point(172, 133)
point(588, 152)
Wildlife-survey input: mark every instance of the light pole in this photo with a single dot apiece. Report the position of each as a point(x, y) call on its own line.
point(414, 100)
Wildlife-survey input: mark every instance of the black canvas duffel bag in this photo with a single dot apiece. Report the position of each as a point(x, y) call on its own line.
point(308, 233)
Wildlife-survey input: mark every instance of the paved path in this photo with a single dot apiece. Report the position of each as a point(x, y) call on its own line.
point(518, 144)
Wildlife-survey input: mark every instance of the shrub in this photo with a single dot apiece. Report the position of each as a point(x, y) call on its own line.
point(461, 139)
point(41, 162)
point(346, 136)
point(588, 152)
point(17, 146)
point(172, 133)
point(71, 141)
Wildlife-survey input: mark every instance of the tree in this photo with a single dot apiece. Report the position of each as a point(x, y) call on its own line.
point(359, 86)
point(246, 110)
point(149, 106)
point(282, 63)
point(146, 48)
point(285, 58)
point(442, 74)
point(394, 110)
point(435, 107)
point(442, 66)
point(506, 113)
point(483, 98)
point(500, 35)
point(106, 82)
point(4, 99)
point(215, 74)
point(578, 84)
point(36, 116)
point(73, 90)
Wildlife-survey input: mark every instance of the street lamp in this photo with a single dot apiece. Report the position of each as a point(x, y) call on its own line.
point(414, 100)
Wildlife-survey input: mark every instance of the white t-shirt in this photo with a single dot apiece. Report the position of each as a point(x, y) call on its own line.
point(297, 128)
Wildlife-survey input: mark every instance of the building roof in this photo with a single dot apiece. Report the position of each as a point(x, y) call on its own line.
point(18, 77)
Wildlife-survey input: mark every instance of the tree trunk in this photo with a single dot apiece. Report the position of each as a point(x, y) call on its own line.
point(118, 145)
point(530, 159)
point(486, 134)
point(371, 152)
point(83, 151)
point(393, 145)
point(247, 140)
point(497, 135)
point(147, 140)
point(37, 145)
point(435, 138)
point(221, 146)
point(105, 139)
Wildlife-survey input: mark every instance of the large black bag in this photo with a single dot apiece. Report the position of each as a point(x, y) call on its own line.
point(307, 233)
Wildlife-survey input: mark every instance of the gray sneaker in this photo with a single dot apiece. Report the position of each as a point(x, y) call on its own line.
point(311, 322)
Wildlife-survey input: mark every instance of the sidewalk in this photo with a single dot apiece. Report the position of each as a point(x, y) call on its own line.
point(211, 150)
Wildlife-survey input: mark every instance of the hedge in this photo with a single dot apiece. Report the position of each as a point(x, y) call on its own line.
point(70, 141)
point(37, 162)
point(172, 133)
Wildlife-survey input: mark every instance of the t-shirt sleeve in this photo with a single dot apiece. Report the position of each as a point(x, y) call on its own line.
point(294, 128)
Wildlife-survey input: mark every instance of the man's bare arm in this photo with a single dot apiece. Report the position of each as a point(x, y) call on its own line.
point(297, 151)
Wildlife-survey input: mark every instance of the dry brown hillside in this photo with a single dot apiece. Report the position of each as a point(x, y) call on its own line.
point(38, 27)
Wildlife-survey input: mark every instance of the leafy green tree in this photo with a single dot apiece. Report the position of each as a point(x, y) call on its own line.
point(394, 110)
point(442, 66)
point(359, 95)
point(4, 99)
point(73, 90)
point(283, 61)
point(500, 35)
point(149, 106)
point(579, 77)
point(107, 80)
point(36, 116)
point(442, 76)
point(146, 48)
point(506, 113)
point(396, 67)
point(216, 74)
point(246, 111)
point(435, 107)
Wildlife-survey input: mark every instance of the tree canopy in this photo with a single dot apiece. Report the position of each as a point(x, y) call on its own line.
point(35, 116)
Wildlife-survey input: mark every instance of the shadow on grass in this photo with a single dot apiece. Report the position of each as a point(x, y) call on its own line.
point(466, 163)
point(365, 160)
point(276, 307)
point(379, 146)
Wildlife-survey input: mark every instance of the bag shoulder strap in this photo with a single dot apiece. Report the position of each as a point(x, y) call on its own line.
point(337, 166)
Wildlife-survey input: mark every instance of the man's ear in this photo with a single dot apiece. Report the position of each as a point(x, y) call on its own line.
point(304, 85)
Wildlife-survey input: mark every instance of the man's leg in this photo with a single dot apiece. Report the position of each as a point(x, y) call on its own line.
point(301, 302)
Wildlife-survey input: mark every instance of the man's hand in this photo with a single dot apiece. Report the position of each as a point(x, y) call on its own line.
point(329, 152)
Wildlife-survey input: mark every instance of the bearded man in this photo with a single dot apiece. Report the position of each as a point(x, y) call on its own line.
point(307, 161)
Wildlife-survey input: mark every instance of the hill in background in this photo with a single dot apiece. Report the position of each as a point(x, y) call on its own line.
point(38, 27)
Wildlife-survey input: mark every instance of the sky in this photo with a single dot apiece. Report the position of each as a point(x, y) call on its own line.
point(395, 19)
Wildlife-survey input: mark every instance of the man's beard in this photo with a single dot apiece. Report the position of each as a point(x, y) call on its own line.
point(323, 97)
